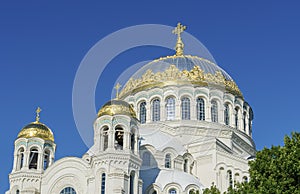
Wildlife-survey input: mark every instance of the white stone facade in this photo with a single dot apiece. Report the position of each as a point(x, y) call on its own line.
point(186, 136)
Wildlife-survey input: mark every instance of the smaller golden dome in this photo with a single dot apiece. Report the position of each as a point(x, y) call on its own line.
point(117, 107)
point(36, 129)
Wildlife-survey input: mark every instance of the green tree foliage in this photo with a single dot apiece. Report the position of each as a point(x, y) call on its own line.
point(274, 171)
point(212, 190)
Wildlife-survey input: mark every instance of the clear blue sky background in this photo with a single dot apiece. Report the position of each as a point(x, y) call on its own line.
point(42, 45)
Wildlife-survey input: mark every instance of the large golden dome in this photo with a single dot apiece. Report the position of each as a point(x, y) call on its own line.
point(117, 107)
point(180, 70)
point(36, 129)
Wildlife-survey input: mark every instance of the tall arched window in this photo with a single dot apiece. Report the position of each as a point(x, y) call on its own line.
point(170, 108)
point(132, 141)
point(214, 111)
point(185, 165)
point(131, 184)
point(68, 190)
point(33, 158)
point(105, 138)
point(156, 110)
point(103, 177)
point(244, 121)
point(143, 112)
point(185, 109)
point(18, 191)
point(245, 179)
point(119, 137)
point(168, 161)
point(250, 121)
point(226, 114)
point(200, 109)
point(20, 158)
point(46, 159)
point(229, 176)
point(172, 191)
point(146, 159)
point(236, 117)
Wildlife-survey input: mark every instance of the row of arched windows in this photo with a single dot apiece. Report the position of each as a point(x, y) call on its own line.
point(118, 138)
point(33, 159)
point(186, 111)
point(170, 109)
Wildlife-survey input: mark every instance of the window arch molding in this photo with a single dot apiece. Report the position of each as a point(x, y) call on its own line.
point(142, 111)
point(185, 107)
point(171, 186)
point(215, 110)
point(155, 108)
point(20, 157)
point(227, 113)
point(201, 114)
point(170, 102)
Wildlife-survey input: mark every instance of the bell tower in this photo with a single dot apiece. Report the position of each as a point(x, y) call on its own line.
point(33, 154)
point(115, 153)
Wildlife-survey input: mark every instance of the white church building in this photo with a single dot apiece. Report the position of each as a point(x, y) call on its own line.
point(179, 124)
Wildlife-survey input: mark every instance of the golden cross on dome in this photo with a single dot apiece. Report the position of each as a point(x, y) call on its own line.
point(117, 87)
point(38, 110)
point(179, 45)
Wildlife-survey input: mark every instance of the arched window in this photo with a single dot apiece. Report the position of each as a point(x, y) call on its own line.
point(250, 122)
point(33, 158)
point(105, 138)
point(103, 177)
point(156, 110)
point(168, 161)
point(245, 179)
point(131, 184)
point(132, 141)
point(229, 176)
point(46, 159)
point(214, 111)
point(172, 191)
point(143, 112)
point(18, 191)
point(119, 137)
point(154, 192)
point(236, 117)
point(20, 158)
point(68, 190)
point(226, 114)
point(146, 159)
point(244, 121)
point(200, 109)
point(185, 109)
point(170, 108)
point(185, 165)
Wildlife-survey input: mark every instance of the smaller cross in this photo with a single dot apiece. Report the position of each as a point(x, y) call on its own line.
point(179, 29)
point(117, 87)
point(38, 110)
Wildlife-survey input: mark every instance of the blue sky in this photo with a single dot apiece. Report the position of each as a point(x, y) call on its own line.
point(42, 45)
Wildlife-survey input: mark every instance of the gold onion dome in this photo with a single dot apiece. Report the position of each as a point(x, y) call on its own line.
point(36, 129)
point(117, 107)
point(180, 69)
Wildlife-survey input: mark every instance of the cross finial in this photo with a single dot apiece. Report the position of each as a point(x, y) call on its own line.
point(179, 45)
point(117, 87)
point(38, 110)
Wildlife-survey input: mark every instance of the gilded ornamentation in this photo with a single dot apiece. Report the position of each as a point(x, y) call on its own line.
point(173, 76)
point(117, 107)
